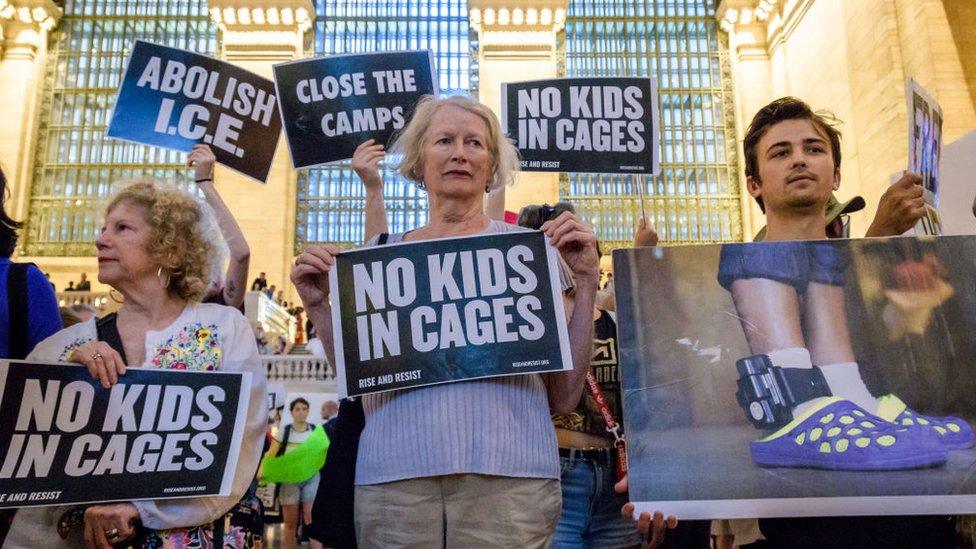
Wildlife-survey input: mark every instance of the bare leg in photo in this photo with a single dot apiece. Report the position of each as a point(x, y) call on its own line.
point(825, 319)
point(770, 314)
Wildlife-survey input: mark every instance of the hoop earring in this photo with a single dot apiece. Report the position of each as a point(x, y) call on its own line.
point(120, 300)
point(421, 185)
point(159, 273)
point(488, 189)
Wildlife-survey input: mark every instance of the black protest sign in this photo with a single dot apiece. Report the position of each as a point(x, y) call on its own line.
point(175, 99)
point(595, 125)
point(330, 105)
point(447, 310)
point(156, 434)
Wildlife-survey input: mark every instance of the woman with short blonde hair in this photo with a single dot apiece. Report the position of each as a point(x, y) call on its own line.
point(421, 464)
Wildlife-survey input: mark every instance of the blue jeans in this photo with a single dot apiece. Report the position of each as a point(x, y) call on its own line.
point(591, 509)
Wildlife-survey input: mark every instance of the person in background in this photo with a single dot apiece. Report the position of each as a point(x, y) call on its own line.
point(84, 285)
point(230, 291)
point(292, 494)
point(28, 307)
point(260, 283)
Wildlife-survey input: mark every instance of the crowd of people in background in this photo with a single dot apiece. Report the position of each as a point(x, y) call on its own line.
point(545, 473)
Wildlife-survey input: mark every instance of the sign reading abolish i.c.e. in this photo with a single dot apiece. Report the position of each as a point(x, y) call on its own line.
point(175, 99)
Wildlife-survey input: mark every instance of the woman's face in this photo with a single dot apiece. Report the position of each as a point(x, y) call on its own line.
point(299, 413)
point(122, 253)
point(456, 160)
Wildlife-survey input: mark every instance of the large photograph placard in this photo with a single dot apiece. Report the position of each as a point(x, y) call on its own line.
point(437, 311)
point(156, 434)
point(595, 125)
point(330, 105)
point(174, 98)
point(726, 352)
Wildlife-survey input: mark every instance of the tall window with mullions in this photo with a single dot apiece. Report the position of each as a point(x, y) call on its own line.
point(75, 164)
point(331, 199)
point(696, 198)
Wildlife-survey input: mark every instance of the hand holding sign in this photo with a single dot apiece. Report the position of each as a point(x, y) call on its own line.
point(109, 524)
point(646, 234)
point(365, 162)
point(202, 159)
point(900, 208)
point(102, 361)
point(576, 243)
point(311, 274)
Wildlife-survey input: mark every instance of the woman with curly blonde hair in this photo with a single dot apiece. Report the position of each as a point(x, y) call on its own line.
point(156, 249)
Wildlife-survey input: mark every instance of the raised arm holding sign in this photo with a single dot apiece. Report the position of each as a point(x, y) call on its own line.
point(482, 433)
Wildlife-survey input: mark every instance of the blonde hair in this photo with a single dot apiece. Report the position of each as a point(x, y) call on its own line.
point(181, 235)
point(410, 141)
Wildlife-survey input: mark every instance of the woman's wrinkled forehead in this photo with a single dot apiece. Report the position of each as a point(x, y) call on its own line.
point(127, 208)
point(442, 119)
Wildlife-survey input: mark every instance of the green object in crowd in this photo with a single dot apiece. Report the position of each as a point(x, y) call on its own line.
point(299, 464)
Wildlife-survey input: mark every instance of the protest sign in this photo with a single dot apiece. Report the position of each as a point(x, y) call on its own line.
point(156, 434)
point(597, 125)
point(711, 377)
point(416, 314)
point(925, 152)
point(330, 105)
point(175, 99)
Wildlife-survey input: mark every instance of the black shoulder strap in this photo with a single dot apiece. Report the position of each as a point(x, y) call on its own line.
point(382, 239)
point(284, 441)
point(17, 310)
point(108, 332)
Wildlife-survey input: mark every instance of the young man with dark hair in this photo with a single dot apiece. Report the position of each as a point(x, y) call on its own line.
point(793, 166)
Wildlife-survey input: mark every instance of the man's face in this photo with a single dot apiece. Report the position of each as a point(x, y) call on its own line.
point(796, 168)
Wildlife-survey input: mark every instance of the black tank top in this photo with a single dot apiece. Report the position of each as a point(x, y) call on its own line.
point(586, 418)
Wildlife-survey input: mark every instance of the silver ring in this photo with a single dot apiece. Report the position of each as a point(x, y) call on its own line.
point(96, 356)
point(112, 534)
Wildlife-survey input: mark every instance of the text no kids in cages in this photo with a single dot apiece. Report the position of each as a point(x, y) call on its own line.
point(584, 124)
point(330, 105)
point(175, 99)
point(65, 439)
point(447, 310)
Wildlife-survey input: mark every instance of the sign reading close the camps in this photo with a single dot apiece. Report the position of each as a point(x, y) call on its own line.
point(330, 105)
point(735, 410)
point(155, 434)
point(596, 125)
point(175, 99)
point(409, 315)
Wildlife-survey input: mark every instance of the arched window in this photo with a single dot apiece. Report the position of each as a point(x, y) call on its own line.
point(696, 197)
point(331, 199)
point(74, 164)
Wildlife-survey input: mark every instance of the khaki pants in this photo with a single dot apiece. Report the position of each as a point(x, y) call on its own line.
point(458, 511)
